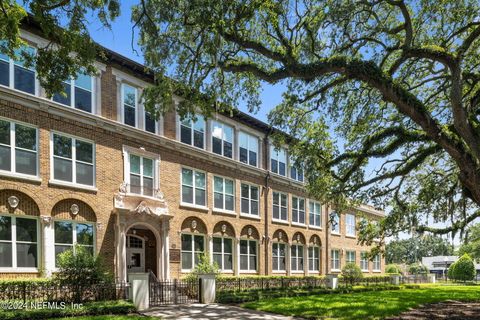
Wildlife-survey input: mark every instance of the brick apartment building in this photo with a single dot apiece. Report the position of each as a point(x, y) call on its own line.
point(94, 169)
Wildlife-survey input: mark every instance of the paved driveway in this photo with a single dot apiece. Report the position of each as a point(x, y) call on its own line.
point(211, 312)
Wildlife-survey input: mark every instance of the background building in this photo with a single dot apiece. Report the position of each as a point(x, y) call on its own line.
point(94, 168)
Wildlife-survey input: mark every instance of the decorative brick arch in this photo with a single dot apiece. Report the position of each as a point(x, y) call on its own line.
point(194, 225)
point(224, 229)
point(250, 232)
point(298, 238)
point(315, 241)
point(26, 204)
point(280, 236)
point(63, 210)
point(70, 196)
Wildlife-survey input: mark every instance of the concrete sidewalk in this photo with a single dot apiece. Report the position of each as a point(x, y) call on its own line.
point(211, 312)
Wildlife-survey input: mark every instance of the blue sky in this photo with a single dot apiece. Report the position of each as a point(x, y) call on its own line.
point(119, 39)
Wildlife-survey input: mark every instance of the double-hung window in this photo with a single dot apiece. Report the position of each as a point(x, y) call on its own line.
point(314, 258)
point(223, 194)
point(18, 148)
point(298, 210)
point(278, 256)
point(335, 222)
point(78, 93)
point(193, 187)
point(335, 260)
point(364, 261)
point(248, 255)
point(249, 202)
point(296, 257)
point(296, 171)
point(73, 160)
point(18, 242)
point(278, 161)
point(280, 205)
point(248, 148)
point(315, 213)
point(223, 253)
point(149, 122)
point(193, 132)
point(193, 246)
point(351, 224)
point(129, 104)
point(15, 74)
point(377, 265)
point(350, 257)
point(70, 233)
point(141, 175)
point(222, 139)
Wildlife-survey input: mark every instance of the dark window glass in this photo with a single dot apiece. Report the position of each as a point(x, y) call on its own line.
point(26, 255)
point(25, 137)
point(84, 151)
point(5, 228)
point(274, 166)
point(227, 149)
point(85, 234)
point(63, 232)
point(4, 132)
point(26, 230)
point(253, 158)
point(83, 99)
point(281, 170)
point(130, 116)
point(198, 139)
point(64, 98)
point(6, 254)
point(217, 145)
point(62, 146)
point(24, 80)
point(243, 155)
point(4, 73)
point(185, 135)
point(149, 123)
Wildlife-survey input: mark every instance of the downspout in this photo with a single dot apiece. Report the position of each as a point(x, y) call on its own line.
point(266, 238)
point(327, 238)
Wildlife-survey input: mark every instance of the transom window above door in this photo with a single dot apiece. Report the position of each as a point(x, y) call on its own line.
point(222, 139)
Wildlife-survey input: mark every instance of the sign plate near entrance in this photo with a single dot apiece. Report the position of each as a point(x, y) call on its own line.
point(174, 255)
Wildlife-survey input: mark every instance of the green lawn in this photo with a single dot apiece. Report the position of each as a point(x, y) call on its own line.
point(365, 305)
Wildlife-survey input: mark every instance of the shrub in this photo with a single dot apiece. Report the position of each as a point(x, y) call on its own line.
point(464, 269)
point(393, 269)
point(204, 266)
point(417, 268)
point(451, 272)
point(352, 273)
point(79, 269)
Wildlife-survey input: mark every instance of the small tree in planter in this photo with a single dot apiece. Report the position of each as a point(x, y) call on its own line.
point(79, 270)
point(464, 269)
point(204, 266)
point(352, 273)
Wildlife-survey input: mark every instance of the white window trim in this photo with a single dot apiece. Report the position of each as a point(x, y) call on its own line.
point(223, 253)
point(364, 260)
point(298, 211)
point(273, 149)
point(354, 256)
point(280, 207)
point(249, 214)
point(179, 132)
point(74, 236)
point(339, 226)
point(297, 257)
point(122, 105)
point(12, 146)
point(248, 148)
point(223, 124)
point(315, 203)
point(53, 181)
point(193, 205)
point(72, 95)
point(374, 269)
point(347, 225)
point(11, 74)
point(223, 210)
point(14, 267)
point(314, 258)
point(127, 150)
point(332, 260)
point(192, 252)
point(141, 175)
point(278, 257)
point(248, 255)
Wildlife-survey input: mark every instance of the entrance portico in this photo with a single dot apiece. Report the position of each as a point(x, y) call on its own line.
point(141, 231)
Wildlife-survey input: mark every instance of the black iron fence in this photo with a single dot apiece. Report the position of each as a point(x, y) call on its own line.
point(166, 292)
point(48, 291)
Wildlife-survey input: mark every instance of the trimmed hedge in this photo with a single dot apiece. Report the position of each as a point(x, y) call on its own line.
point(255, 295)
point(91, 308)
